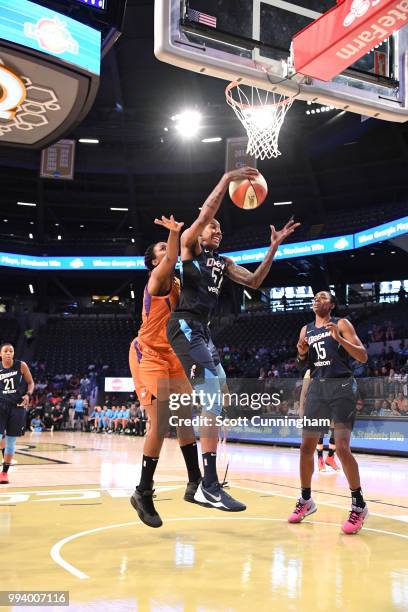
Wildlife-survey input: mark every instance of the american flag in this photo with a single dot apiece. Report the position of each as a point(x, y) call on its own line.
point(203, 18)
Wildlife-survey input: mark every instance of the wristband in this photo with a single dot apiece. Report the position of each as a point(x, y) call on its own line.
point(301, 361)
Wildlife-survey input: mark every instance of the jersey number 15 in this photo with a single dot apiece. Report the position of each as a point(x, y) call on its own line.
point(320, 350)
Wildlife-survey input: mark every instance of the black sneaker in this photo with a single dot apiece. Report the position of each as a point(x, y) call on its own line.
point(143, 504)
point(215, 496)
point(191, 490)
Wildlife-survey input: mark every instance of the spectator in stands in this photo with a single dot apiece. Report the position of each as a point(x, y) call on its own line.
point(389, 331)
point(99, 419)
point(117, 419)
point(359, 407)
point(385, 409)
point(71, 412)
point(57, 418)
point(84, 385)
point(91, 418)
point(36, 424)
point(401, 402)
point(79, 407)
point(140, 422)
point(47, 420)
point(377, 407)
point(123, 419)
point(377, 333)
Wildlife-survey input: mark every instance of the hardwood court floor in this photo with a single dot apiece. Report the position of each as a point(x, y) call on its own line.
point(66, 524)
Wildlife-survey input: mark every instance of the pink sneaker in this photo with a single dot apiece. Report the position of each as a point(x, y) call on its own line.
point(303, 509)
point(356, 520)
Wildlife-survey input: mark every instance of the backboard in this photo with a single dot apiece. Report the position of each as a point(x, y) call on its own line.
point(249, 41)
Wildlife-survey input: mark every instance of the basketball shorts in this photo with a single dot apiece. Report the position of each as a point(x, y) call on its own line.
point(332, 399)
point(12, 419)
point(153, 372)
point(192, 343)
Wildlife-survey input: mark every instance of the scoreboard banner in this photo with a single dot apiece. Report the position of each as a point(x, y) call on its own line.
point(49, 73)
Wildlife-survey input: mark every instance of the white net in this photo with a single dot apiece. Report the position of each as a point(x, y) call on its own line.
point(262, 114)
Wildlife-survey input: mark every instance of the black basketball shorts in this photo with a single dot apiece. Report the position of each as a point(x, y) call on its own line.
point(12, 419)
point(332, 399)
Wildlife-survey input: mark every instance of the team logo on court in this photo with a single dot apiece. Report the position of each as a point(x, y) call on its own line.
point(358, 9)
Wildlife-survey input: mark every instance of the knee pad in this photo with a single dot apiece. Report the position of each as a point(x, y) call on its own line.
point(10, 445)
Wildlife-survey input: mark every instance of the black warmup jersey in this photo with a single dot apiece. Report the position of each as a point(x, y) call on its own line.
point(201, 281)
point(327, 358)
point(11, 381)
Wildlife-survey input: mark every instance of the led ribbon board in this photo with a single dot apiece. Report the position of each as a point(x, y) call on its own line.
point(49, 75)
point(386, 231)
point(325, 246)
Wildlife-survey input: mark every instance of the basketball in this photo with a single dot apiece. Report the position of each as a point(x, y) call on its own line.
point(249, 193)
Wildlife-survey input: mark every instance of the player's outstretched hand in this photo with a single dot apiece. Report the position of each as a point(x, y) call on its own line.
point(171, 224)
point(278, 236)
point(241, 174)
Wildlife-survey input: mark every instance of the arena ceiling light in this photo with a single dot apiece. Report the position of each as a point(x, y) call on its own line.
point(26, 204)
point(249, 296)
point(31, 237)
point(31, 289)
point(89, 140)
point(188, 123)
point(215, 139)
point(282, 203)
point(59, 237)
point(118, 209)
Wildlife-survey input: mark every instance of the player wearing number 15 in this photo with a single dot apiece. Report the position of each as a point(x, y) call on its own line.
point(14, 375)
point(326, 346)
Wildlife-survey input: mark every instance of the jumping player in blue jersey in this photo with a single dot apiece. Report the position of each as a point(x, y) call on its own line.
point(14, 376)
point(202, 274)
point(325, 346)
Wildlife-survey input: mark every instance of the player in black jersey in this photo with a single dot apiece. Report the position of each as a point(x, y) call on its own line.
point(14, 375)
point(202, 274)
point(326, 346)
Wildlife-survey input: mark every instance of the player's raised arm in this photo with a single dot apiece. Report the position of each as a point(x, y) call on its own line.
point(213, 203)
point(346, 335)
point(161, 273)
point(241, 275)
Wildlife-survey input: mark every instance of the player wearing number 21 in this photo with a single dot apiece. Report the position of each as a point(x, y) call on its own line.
point(14, 375)
point(325, 347)
point(202, 274)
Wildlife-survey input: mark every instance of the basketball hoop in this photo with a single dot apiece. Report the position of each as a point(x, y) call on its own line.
point(262, 114)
